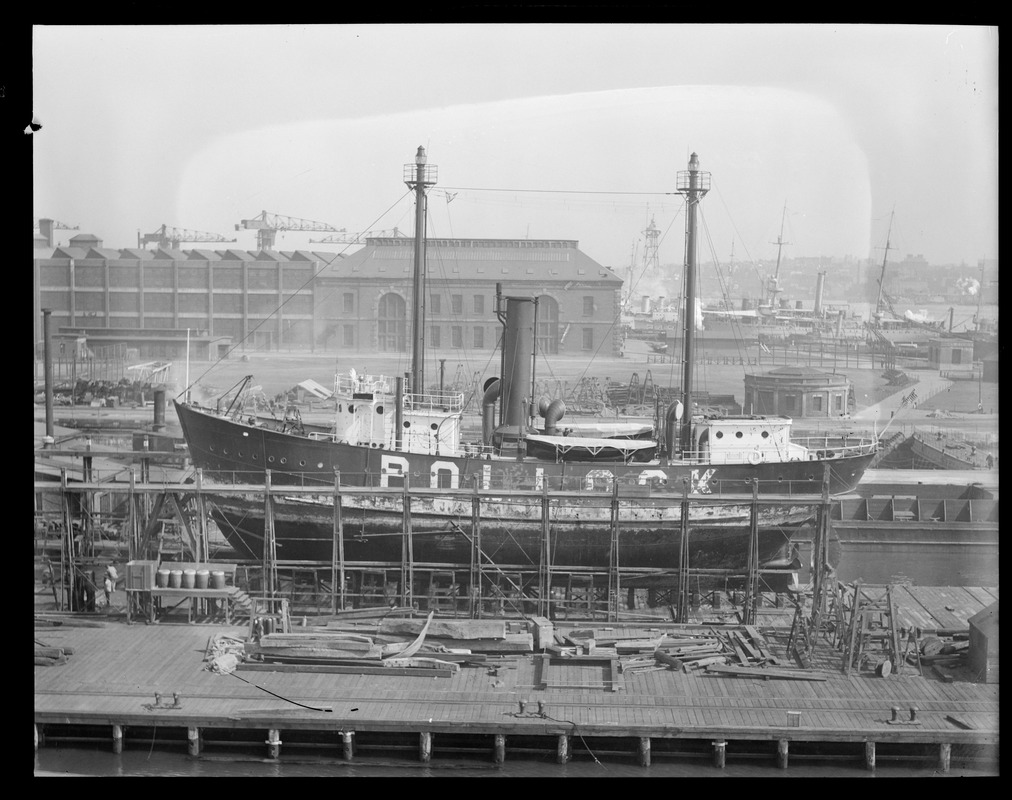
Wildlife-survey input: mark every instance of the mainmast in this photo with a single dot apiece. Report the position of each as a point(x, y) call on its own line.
point(693, 183)
point(881, 277)
point(774, 283)
point(418, 176)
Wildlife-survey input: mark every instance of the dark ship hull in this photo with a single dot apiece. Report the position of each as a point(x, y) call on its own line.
point(646, 499)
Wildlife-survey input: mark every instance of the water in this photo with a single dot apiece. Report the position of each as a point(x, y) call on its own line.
point(140, 762)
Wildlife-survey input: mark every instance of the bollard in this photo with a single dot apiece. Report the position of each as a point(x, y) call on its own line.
point(523, 705)
point(541, 707)
point(896, 713)
point(499, 752)
point(193, 741)
point(913, 714)
point(347, 744)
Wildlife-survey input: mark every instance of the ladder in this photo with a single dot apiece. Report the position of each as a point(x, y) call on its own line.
point(872, 631)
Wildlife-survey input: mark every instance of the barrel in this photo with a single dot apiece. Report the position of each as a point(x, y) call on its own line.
point(217, 579)
point(189, 578)
point(175, 578)
point(162, 578)
point(203, 578)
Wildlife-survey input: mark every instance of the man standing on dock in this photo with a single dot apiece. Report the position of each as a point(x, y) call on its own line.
point(108, 585)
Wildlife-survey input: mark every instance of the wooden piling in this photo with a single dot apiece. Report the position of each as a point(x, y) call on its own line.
point(117, 739)
point(944, 757)
point(499, 755)
point(348, 745)
point(193, 741)
point(782, 748)
point(719, 753)
point(425, 747)
point(273, 743)
point(869, 755)
point(644, 751)
point(562, 755)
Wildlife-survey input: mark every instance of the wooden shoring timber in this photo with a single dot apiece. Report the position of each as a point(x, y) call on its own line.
point(184, 518)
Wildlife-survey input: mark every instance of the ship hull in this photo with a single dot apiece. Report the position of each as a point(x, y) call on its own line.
point(440, 496)
point(235, 452)
point(509, 531)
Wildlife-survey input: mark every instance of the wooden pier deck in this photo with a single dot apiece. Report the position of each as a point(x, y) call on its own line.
point(564, 705)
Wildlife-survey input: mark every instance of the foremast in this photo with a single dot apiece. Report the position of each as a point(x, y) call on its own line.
point(418, 176)
point(693, 183)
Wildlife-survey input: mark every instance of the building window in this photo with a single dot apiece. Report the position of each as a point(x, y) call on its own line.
point(957, 356)
point(588, 306)
point(817, 402)
point(391, 324)
point(838, 401)
point(434, 336)
point(457, 303)
point(349, 335)
point(434, 303)
point(789, 401)
point(479, 337)
point(349, 302)
point(456, 336)
point(479, 304)
point(588, 338)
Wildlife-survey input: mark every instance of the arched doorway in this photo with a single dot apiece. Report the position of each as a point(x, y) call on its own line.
point(391, 324)
point(548, 325)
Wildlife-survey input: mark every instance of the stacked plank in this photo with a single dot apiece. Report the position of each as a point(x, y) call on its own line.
point(943, 653)
point(686, 652)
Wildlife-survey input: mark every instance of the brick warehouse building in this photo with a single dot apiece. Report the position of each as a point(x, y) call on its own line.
point(315, 301)
point(364, 300)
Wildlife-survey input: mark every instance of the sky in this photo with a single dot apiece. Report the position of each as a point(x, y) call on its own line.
point(541, 131)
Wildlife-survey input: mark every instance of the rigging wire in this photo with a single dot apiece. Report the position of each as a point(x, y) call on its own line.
point(312, 277)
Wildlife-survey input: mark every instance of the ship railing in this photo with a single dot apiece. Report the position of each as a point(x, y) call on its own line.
point(836, 446)
point(441, 402)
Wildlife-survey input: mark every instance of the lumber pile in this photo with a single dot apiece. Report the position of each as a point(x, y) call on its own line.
point(46, 656)
point(393, 644)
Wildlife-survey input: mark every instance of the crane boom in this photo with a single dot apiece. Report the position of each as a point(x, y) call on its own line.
point(167, 236)
point(267, 226)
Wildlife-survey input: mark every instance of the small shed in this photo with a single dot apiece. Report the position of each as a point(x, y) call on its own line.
point(983, 655)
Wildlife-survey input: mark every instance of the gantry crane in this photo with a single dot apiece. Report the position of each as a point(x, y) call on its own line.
point(358, 238)
point(267, 226)
point(166, 236)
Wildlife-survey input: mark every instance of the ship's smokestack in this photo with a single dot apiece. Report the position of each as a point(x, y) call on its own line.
point(517, 367)
point(159, 409)
point(820, 284)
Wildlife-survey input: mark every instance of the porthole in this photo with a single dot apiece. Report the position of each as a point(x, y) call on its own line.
point(720, 434)
point(780, 478)
point(210, 447)
point(407, 424)
point(319, 465)
point(302, 463)
point(284, 460)
point(351, 409)
point(270, 459)
point(811, 477)
point(379, 409)
point(739, 434)
point(239, 454)
point(766, 434)
point(434, 426)
point(256, 457)
point(224, 451)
